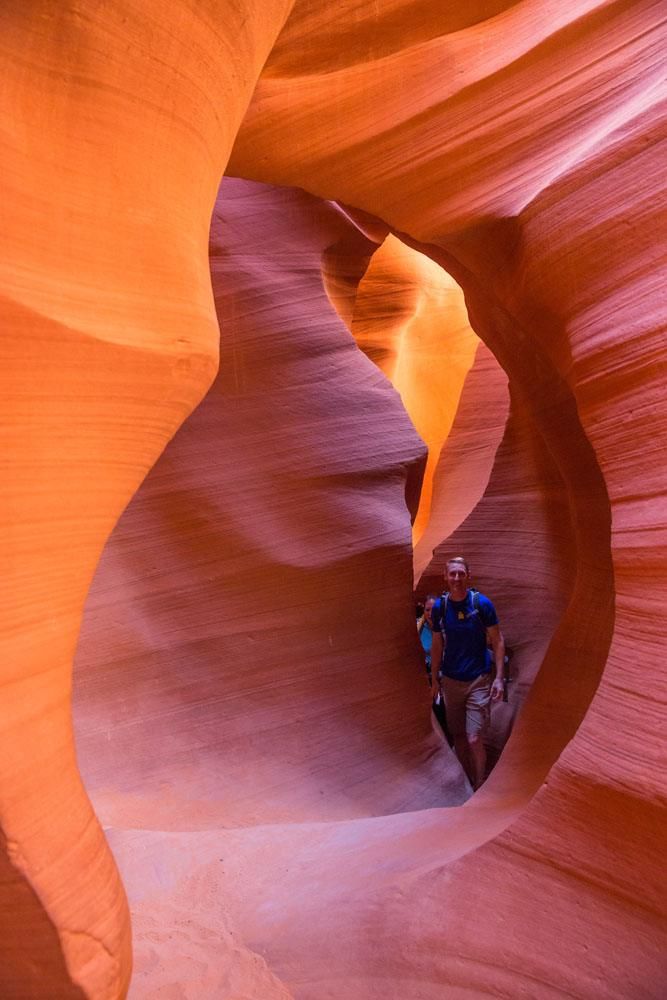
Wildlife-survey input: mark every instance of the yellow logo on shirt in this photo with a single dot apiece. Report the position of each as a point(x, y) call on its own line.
point(461, 616)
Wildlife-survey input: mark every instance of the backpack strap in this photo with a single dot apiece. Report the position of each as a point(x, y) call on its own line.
point(474, 601)
point(477, 606)
point(444, 600)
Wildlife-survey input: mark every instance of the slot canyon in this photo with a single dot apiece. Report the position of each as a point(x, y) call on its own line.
point(299, 300)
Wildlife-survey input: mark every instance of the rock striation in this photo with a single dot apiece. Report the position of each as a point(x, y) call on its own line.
point(118, 124)
point(410, 318)
point(305, 837)
point(235, 594)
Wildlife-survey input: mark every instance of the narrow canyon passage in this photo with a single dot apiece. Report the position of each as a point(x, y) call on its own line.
point(240, 644)
point(252, 728)
point(250, 716)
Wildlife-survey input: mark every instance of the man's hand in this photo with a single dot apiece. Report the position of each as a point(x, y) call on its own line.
point(497, 689)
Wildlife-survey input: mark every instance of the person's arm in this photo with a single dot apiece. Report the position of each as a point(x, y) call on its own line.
point(498, 644)
point(436, 662)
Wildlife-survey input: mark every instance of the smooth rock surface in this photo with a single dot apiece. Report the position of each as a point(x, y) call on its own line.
point(518, 145)
point(238, 643)
point(411, 320)
point(464, 463)
point(117, 124)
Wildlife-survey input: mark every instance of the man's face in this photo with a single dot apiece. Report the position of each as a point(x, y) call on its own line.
point(428, 609)
point(457, 577)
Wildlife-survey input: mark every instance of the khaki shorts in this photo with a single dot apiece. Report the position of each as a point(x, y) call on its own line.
point(468, 704)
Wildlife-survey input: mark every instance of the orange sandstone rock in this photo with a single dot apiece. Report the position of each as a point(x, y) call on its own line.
point(513, 148)
point(515, 144)
point(118, 123)
point(410, 318)
point(466, 460)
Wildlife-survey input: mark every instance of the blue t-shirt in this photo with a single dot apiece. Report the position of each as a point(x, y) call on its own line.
point(465, 629)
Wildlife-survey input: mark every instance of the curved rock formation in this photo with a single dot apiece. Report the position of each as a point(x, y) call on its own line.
point(410, 318)
point(531, 221)
point(515, 144)
point(234, 598)
point(466, 460)
point(243, 644)
point(113, 144)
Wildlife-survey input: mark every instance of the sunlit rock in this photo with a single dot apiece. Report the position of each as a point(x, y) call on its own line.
point(515, 144)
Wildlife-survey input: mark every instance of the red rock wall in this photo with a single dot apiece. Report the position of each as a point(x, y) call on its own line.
point(530, 209)
point(237, 595)
point(525, 498)
point(117, 125)
point(517, 145)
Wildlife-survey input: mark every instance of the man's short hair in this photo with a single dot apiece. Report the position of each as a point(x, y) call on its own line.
point(460, 561)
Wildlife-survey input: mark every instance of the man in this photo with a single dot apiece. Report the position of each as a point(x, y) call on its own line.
point(462, 622)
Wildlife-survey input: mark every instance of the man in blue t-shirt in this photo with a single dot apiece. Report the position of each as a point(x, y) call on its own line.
point(462, 622)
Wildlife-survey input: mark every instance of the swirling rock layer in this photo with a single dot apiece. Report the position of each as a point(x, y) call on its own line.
point(410, 318)
point(516, 145)
point(287, 543)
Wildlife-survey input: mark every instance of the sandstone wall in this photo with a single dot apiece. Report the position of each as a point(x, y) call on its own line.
point(465, 462)
point(536, 215)
point(252, 614)
point(518, 146)
point(411, 320)
point(117, 125)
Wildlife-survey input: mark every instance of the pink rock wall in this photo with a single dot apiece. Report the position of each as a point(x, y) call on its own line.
point(520, 150)
point(238, 643)
point(536, 303)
